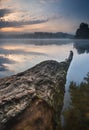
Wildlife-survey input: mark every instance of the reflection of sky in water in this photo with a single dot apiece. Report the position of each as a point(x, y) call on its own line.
point(79, 67)
point(77, 71)
point(19, 55)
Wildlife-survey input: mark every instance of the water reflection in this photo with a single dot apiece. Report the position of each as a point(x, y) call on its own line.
point(35, 41)
point(18, 51)
point(78, 68)
point(82, 46)
point(3, 67)
point(77, 71)
point(3, 61)
point(19, 55)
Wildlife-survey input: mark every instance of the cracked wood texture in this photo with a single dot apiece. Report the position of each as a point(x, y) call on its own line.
point(33, 99)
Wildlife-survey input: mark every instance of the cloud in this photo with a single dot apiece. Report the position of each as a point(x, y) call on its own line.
point(46, 1)
point(11, 18)
point(4, 0)
point(4, 23)
point(4, 12)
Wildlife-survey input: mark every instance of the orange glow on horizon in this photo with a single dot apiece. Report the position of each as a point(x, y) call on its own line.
point(26, 28)
point(42, 27)
point(11, 29)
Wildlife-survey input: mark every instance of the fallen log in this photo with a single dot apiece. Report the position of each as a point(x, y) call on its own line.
point(33, 99)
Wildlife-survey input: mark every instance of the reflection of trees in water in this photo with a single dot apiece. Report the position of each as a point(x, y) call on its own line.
point(82, 46)
point(77, 117)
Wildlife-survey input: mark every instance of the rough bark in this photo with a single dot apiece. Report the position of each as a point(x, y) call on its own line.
point(34, 98)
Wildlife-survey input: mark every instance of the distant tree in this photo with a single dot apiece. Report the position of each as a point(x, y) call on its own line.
point(83, 31)
point(83, 26)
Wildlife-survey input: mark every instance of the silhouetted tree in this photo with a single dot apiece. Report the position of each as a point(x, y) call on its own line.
point(83, 31)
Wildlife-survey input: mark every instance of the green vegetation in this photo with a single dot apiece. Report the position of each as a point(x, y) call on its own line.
point(77, 117)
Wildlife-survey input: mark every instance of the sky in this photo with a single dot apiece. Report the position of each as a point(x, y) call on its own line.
point(43, 15)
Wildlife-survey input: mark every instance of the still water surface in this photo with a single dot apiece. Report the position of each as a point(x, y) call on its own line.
point(21, 54)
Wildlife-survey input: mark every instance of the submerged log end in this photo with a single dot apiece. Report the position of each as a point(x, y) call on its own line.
point(70, 56)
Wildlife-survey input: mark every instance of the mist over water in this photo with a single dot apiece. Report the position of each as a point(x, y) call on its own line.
point(21, 54)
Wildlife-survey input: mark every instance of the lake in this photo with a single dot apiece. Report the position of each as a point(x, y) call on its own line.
point(17, 55)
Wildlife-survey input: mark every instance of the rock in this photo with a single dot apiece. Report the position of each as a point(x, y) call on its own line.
point(34, 98)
